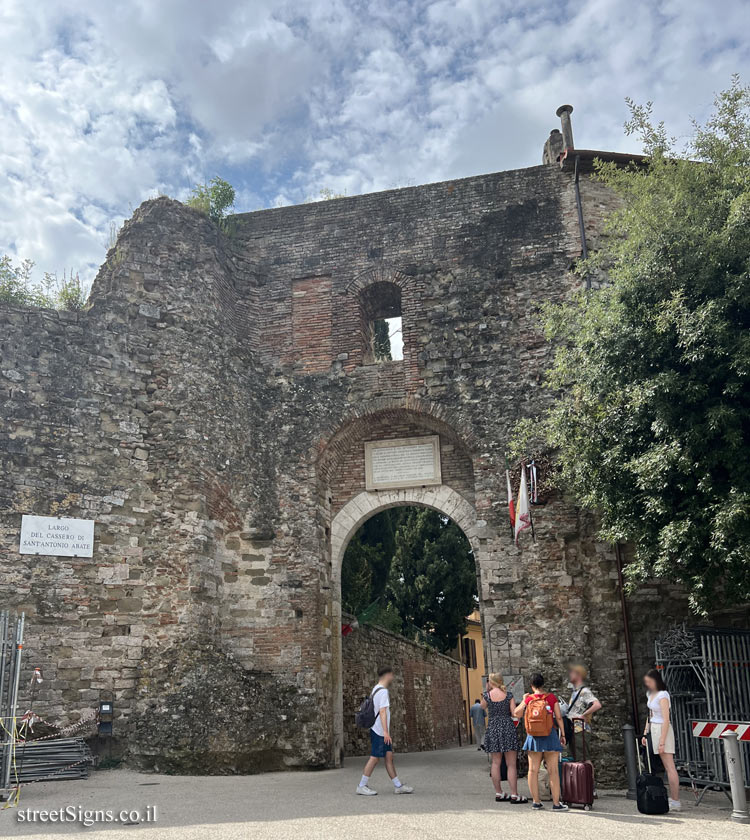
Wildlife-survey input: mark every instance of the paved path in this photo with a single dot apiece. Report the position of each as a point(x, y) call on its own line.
point(454, 801)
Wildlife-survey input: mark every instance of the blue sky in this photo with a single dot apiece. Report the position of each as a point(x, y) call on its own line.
point(103, 105)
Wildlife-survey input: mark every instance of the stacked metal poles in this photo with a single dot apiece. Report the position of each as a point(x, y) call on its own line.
point(11, 646)
point(53, 759)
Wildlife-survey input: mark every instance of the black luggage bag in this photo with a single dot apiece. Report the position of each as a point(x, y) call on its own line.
point(651, 795)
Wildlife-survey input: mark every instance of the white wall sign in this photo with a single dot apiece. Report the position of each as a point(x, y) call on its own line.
point(57, 537)
point(514, 686)
point(409, 462)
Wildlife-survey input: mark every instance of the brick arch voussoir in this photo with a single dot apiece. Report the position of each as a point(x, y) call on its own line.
point(350, 424)
point(379, 274)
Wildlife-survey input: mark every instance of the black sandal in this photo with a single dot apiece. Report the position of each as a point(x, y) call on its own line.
point(502, 797)
point(518, 799)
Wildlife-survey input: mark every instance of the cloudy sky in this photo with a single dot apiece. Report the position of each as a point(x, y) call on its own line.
point(103, 105)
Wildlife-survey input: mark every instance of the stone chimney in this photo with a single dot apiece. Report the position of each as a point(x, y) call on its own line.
point(564, 112)
point(553, 148)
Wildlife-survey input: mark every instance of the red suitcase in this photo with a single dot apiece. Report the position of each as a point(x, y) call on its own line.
point(578, 778)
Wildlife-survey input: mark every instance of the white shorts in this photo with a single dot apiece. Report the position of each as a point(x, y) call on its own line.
point(656, 737)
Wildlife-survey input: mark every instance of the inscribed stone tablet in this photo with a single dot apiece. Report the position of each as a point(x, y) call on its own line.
point(409, 462)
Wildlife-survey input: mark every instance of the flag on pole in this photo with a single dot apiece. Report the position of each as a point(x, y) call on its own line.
point(348, 627)
point(511, 505)
point(523, 516)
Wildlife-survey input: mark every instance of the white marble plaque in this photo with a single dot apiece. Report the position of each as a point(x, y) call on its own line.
point(57, 537)
point(410, 462)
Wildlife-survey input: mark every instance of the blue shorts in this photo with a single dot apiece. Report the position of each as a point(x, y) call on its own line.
point(378, 746)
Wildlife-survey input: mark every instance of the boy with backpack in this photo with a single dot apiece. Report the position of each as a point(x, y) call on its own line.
point(375, 714)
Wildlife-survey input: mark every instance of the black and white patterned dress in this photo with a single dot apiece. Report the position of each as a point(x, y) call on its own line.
point(501, 733)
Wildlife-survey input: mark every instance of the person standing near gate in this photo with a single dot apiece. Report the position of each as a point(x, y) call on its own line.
point(659, 725)
point(478, 721)
point(501, 738)
point(381, 745)
point(582, 704)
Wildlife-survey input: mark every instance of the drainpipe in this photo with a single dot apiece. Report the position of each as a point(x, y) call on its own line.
point(581, 228)
point(626, 634)
point(564, 112)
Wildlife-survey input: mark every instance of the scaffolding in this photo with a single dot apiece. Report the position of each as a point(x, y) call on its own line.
point(11, 646)
point(707, 672)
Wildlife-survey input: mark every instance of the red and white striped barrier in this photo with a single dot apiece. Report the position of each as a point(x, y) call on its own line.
point(715, 729)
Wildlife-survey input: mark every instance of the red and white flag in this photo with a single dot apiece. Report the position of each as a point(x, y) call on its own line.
point(523, 517)
point(511, 505)
point(348, 627)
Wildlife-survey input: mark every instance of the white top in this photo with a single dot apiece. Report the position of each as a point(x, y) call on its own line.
point(381, 700)
point(654, 704)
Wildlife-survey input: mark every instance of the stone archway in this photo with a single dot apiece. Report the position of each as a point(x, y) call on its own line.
point(346, 523)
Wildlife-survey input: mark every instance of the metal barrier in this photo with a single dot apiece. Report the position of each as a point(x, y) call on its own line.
point(707, 672)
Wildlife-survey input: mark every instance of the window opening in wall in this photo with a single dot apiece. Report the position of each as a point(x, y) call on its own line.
point(382, 335)
point(470, 652)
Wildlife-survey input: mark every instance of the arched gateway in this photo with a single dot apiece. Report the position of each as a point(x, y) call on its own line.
point(346, 523)
point(225, 412)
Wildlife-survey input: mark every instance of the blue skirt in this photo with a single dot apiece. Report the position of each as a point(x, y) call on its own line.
point(543, 743)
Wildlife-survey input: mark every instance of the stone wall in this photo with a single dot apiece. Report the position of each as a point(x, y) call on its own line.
point(209, 411)
point(426, 699)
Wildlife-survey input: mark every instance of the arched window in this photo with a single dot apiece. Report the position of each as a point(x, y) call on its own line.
point(380, 312)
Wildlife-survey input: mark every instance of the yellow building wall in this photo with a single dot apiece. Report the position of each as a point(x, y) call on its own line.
point(472, 679)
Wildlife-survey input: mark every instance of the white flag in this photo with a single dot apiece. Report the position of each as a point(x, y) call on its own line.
point(523, 517)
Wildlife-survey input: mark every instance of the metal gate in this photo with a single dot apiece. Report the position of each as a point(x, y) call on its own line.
point(707, 672)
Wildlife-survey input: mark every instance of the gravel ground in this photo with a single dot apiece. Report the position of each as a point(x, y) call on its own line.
point(453, 799)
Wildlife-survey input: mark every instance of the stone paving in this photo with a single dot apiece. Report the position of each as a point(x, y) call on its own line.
point(453, 799)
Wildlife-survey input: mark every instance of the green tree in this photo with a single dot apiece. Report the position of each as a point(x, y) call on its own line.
point(651, 419)
point(215, 199)
point(17, 286)
point(432, 582)
point(356, 575)
point(381, 342)
point(15, 282)
point(367, 561)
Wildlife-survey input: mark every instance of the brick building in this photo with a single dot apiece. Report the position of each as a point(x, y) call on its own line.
point(209, 411)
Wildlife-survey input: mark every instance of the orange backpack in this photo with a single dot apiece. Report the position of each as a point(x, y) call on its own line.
point(537, 720)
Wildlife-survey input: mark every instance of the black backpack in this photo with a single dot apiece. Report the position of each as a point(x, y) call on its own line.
point(651, 795)
point(365, 717)
point(568, 726)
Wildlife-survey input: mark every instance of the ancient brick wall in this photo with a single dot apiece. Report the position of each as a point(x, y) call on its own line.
point(210, 410)
point(426, 700)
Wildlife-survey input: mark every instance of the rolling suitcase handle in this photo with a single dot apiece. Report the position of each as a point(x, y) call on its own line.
point(638, 755)
point(638, 747)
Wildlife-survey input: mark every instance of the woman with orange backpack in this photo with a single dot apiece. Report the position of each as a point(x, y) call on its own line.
point(539, 711)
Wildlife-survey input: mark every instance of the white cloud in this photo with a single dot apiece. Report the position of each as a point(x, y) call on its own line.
point(104, 105)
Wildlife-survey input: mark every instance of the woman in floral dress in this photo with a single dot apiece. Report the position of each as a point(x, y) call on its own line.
point(501, 738)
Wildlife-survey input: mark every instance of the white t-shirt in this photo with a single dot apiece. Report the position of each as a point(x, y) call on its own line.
point(654, 704)
point(381, 700)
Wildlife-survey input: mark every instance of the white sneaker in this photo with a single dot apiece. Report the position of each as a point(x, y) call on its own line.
point(403, 789)
point(675, 805)
point(363, 790)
